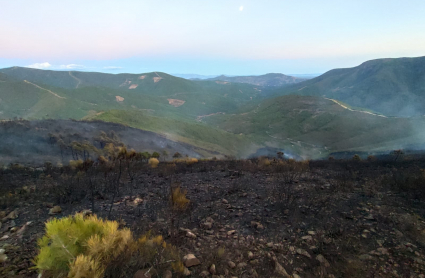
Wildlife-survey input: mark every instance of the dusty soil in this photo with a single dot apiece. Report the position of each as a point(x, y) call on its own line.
point(175, 102)
point(119, 99)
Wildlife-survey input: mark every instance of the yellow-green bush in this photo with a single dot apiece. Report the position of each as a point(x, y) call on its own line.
point(153, 162)
point(81, 247)
point(68, 237)
point(179, 200)
point(263, 162)
point(190, 161)
point(75, 164)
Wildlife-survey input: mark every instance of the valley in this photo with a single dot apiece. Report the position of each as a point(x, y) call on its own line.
point(229, 116)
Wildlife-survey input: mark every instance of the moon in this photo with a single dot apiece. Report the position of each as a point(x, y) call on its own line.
point(241, 8)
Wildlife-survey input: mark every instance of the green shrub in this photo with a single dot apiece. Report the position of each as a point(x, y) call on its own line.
point(68, 237)
point(81, 247)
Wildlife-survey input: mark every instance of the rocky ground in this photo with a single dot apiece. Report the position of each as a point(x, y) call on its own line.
point(335, 219)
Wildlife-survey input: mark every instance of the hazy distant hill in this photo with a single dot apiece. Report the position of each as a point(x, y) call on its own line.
point(390, 86)
point(314, 126)
point(193, 76)
point(267, 80)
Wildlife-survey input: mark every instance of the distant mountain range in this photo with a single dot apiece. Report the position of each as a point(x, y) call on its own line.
point(394, 87)
point(267, 80)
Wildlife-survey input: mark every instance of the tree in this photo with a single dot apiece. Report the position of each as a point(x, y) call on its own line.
point(177, 155)
point(156, 155)
point(280, 155)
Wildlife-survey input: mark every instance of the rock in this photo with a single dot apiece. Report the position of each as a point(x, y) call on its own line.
point(383, 251)
point(270, 244)
point(254, 262)
point(55, 210)
point(312, 233)
point(168, 274)
point(186, 272)
point(13, 229)
point(322, 260)
point(295, 275)
point(4, 237)
point(307, 238)
point(207, 225)
point(190, 235)
point(143, 273)
point(365, 257)
point(257, 225)
point(212, 269)
point(2, 251)
point(49, 205)
point(204, 274)
point(303, 252)
point(190, 260)
point(11, 216)
point(137, 201)
point(87, 212)
point(280, 270)
point(229, 233)
point(3, 258)
point(250, 255)
point(242, 265)
point(225, 201)
point(231, 264)
point(369, 217)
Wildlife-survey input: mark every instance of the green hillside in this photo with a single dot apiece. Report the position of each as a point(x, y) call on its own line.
point(170, 106)
point(315, 126)
point(394, 87)
point(187, 131)
point(223, 117)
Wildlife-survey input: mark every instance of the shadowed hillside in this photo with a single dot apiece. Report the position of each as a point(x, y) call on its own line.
point(394, 87)
point(314, 126)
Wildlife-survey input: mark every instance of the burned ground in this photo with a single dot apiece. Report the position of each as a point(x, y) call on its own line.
point(249, 218)
point(35, 142)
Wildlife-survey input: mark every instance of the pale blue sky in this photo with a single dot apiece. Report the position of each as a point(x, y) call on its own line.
point(208, 36)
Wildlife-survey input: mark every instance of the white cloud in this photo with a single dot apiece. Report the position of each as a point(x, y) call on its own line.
point(44, 65)
point(72, 66)
point(241, 8)
point(112, 67)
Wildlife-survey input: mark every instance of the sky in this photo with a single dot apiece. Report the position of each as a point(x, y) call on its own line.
point(208, 36)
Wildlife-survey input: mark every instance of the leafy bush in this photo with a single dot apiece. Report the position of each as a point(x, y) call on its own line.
point(68, 237)
point(191, 161)
point(264, 162)
point(153, 162)
point(79, 247)
point(178, 199)
point(356, 157)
